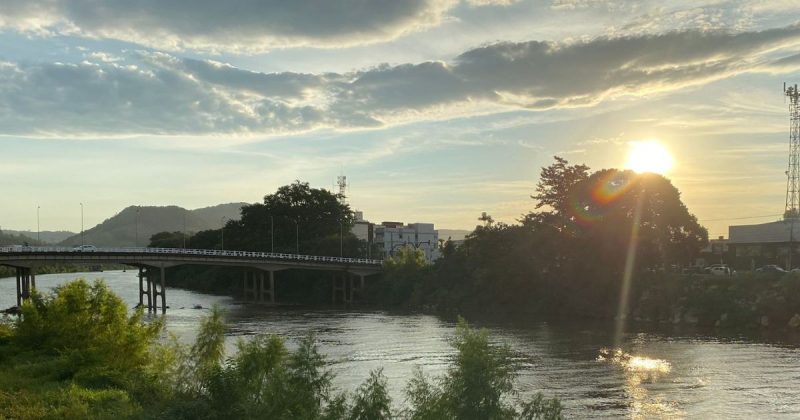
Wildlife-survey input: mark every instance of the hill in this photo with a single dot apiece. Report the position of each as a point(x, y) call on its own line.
point(121, 229)
point(46, 236)
point(8, 237)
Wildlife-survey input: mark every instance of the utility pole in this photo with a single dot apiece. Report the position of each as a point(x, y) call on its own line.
point(271, 234)
point(341, 240)
point(184, 229)
point(82, 242)
point(137, 227)
point(222, 232)
point(297, 235)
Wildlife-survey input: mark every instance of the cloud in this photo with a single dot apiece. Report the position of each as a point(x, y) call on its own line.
point(158, 93)
point(235, 25)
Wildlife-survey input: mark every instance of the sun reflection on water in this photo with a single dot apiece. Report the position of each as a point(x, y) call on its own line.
point(639, 372)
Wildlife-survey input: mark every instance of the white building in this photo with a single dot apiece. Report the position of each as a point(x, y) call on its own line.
point(390, 237)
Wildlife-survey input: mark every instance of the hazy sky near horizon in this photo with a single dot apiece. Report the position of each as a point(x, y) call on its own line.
point(436, 110)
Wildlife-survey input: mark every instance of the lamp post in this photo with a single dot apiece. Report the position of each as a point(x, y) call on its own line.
point(184, 229)
point(341, 240)
point(82, 243)
point(297, 235)
point(38, 230)
point(137, 227)
point(222, 232)
point(271, 234)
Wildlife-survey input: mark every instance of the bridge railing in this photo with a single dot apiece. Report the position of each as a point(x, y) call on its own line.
point(186, 252)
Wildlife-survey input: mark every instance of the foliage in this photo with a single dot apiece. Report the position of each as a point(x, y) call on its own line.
point(566, 258)
point(477, 386)
point(90, 326)
point(77, 353)
point(296, 218)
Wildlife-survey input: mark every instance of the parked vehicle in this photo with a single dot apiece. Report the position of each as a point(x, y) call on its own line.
point(770, 268)
point(720, 270)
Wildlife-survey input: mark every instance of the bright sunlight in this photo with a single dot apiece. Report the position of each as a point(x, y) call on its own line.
point(649, 156)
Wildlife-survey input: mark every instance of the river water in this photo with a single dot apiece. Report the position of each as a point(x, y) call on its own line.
point(653, 374)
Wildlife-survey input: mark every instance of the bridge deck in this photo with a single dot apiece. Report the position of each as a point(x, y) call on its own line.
point(15, 255)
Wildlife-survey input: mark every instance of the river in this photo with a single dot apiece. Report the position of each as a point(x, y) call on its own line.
point(653, 374)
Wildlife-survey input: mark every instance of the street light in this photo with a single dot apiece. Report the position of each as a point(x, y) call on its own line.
point(297, 235)
point(82, 243)
point(341, 240)
point(137, 227)
point(184, 229)
point(222, 232)
point(37, 225)
point(271, 235)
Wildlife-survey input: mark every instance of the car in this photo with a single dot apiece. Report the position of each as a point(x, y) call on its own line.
point(770, 268)
point(84, 248)
point(719, 270)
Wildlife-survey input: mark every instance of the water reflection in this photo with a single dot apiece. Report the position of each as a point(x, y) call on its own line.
point(640, 371)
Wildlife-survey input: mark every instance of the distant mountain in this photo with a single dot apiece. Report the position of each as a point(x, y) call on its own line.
point(212, 215)
point(46, 236)
point(9, 238)
point(121, 229)
point(454, 234)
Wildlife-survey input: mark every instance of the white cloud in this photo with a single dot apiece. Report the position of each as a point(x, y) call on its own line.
point(233, 25)
point(158, 93)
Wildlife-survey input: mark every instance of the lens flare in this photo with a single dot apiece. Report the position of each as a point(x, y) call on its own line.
point(649, 156)
point(592, 207)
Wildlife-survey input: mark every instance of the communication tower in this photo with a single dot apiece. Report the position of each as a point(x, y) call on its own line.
point(793, 173)
point(341, 181)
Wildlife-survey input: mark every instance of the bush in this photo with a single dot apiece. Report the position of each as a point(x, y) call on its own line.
point(477, 386)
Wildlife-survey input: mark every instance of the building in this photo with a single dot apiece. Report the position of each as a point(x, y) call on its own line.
point(715, 252)
point(752, 246)
point(386, 239)
point(392, 236)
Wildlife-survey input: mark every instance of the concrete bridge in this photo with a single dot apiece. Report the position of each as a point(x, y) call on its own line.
point(258, 282)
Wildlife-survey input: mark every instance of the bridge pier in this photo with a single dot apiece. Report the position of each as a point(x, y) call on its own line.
point(356, 287)
point(26, 282)
point(267, 290)
point(149, 286)
point(159, 290)
point(257, 286)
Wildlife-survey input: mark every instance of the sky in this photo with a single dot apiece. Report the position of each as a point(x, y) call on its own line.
point(435, 110)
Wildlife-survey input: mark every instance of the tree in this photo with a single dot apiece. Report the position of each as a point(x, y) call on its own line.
point(314, 217)
point(555, 184)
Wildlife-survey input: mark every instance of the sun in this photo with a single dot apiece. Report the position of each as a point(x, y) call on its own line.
point(649, 156)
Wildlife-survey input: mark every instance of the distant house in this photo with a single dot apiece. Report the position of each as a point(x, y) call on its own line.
point(752, 246)
point(390, 237)
point(716, 251)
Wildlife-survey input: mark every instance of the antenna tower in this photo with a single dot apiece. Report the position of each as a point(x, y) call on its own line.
point(793, 173)
point(341, 181)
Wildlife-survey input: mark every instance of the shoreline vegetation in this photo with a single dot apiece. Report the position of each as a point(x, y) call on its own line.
point(61, 359)
point(565, 259)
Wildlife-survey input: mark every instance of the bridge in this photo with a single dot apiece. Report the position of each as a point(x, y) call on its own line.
point(258, 282)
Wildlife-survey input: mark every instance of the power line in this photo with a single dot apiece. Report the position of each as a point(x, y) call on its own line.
point(740, 218)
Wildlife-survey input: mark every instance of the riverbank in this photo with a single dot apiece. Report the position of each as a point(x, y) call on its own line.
point(557, 358)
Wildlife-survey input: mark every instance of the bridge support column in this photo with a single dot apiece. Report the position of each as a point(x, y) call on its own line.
point(340, 288)
point(159, 291)
point(33, 278)
point(267, 287)
point(141, 288)
point(356, 287)
point(249, 288)
point(24, 277)
point(19, 286)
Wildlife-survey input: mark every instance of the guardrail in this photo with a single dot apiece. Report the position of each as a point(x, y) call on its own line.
point(187, 252)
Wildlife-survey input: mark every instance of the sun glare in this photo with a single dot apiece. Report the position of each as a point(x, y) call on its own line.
point(649, 156)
